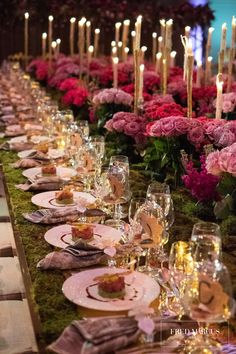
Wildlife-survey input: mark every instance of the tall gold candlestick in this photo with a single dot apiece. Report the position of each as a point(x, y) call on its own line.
point(96, 41)
point(44, 44)
point(53, 48)
point(231, 54)
point(221, 56)
point(115, 72)
point(163, 29)
point(154, 46)
point(50, 21)
point(199, 74)
point(190, 61)
point(219, 97)
point(88, 35)
point(138, 26)
point(117, 31)
point(26, 38)
point(136, 78)
point(72, 35)
point(119, 48)
point(90, 54)
point(114, 52)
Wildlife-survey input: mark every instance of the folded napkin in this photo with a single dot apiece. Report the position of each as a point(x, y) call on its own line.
point(58, 215)
point(26, 163)
point(52, 216)
point(38, 155)
point(73, 257)
point(97, 336)
point(16, 146)
point(14, 130)
point(42, 184)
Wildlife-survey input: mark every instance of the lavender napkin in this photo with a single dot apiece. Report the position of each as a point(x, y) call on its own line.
point(53, 216)
point(42, 184)
point(96, 336)
point(73, 257)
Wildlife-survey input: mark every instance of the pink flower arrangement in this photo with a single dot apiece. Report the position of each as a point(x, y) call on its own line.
point(40, 67)
point(229, 102)
point(202, 184)
point(223, 161)
point(112, 96)
point(151, 81)
point(166, 110)
point(128, 123)
point(68, 84)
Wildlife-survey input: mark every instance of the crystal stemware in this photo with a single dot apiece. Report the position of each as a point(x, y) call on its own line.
point(207, 232)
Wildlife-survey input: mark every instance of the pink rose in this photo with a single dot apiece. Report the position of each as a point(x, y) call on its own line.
point(212, 163)
point(232, 148)
point(131, 128)
point(232, 164)
point(224, 158)
point(228, 106)
point(119, 125)
point(181, 125)
point(196, 135)
point(227, 138)
point(109, 125)
point(154, 129)
point(168, 126)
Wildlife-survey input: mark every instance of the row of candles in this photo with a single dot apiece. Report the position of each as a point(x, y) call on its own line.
point(162, 55)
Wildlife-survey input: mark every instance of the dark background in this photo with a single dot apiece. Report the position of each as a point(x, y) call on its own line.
point(102, 14)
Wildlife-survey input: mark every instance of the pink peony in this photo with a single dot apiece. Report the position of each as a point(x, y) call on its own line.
point(196, 135)
point(228, 106)
point(68, 84)
point(181, 125)
point(119, 125)
point(224, 158)
point(168, 126)
point(109, 125)
point(131, 128)
point(232, 164)
point(154, 129)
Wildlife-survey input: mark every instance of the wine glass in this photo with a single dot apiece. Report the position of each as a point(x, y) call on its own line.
point(84, 129)
point(148, 231)
point(207, 298)
point(98, 142)
point(207, 232)
point(134, 204)
point(121, 161)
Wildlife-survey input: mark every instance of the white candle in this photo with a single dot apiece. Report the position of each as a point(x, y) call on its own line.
point(115, 72)
point(58, 41)
point(164, 68)
point(120, 45)
point(125, 33)
point(141, 70)
point(117, 31)
point(44, 44)
point(26, 35)
point(133, 35)
point(138, 26)
point(172, 58)
point(90, 54)
point(114, 52)
point(88, 35)
point(96, 41)
point(208, 70)
point(199, 74)
point(187, 30)
point(233, 36)
point(81, 38)
point(168, 35)
point(126, 51)
point(209, 37)
point(160, 44)
point(154, 46)
point(223, 37)
point(219, 97)
point(72, 35)
point(54, 46)
point(50, 20)
point(158, 62)
point(163, 28)
point(143, 51)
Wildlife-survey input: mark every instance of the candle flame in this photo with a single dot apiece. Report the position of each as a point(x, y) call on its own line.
point(160, 39)
point(169, 22)
point(58, 41)
point(224, 26)
point(126, 22)
point(44, 35)
point(50, 18)
point(209, 59)
point(173, 54)
point(82, 21)
point(211, 29)
point(144, 49)
point(120, 44)
point(91, 49)
point(113, 43)
point(88, 23)
point(97, 31)
point(163, 22)
point(126, 50)
point(219, 81)
point(26, 15)
point(199, 63)
point(72, 20)
point(117, 25)
point(139, 18)
point(154, 35)
point(158, 56)
point(54, 44)
point(133, 33)
point(187, 29)
point(114, 50)
point(115, 60)
point(141, 67)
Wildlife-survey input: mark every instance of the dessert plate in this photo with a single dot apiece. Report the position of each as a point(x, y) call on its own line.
point(63, 172)
point(61, 237)
point(47, 200)
point(52, 153)
point(34, 139)
point(81, 288)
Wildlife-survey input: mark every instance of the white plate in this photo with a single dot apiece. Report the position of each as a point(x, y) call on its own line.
point(62, 172)
point(60, 236)
point(34, 139)
point(52, 153)
point(25, 153)
point(47, 200)
point(82, 290)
